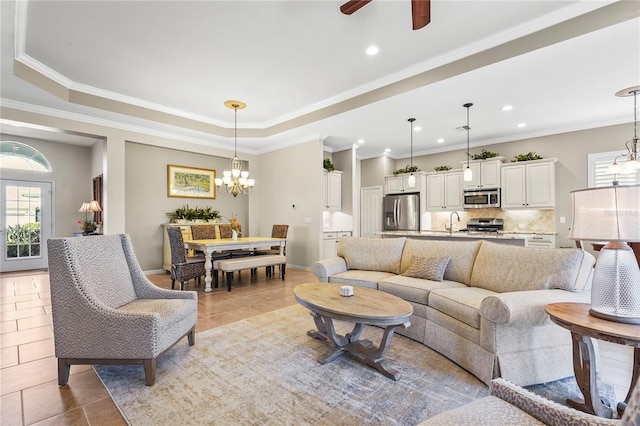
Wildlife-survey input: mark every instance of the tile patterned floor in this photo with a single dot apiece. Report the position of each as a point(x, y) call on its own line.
point(29, 391)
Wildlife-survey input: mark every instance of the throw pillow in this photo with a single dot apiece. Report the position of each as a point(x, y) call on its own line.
point(428, 268)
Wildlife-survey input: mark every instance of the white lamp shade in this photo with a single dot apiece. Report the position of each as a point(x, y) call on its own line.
point(218, 181)
point(94, 206)
point(614, 168)
point(244, 174)
point(468, 175)
point(606, 214)
point(411, 181)
point(84, 207)
point(226, 173)
point(631, 166)
point(251, 182)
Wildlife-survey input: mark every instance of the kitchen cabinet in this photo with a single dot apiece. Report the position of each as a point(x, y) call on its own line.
point(330, 243)
point(486, 173)
point(444, 191)
point(540, 241)
point(333, 190)
point(399, 184)
point(529, 184)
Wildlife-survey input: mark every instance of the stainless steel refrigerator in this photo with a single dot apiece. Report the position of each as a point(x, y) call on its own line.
point(402, 212)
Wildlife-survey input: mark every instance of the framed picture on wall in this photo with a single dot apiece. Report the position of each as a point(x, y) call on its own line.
point(190, 182)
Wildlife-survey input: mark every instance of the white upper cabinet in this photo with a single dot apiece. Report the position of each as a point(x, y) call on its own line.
point(444, 191)
point(486, 173)
point(399, 184)
point(529, 184)
point(333, 190)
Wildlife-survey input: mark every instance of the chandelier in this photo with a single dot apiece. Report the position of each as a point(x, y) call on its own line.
point(235, 181)
point(631, 158)
point(468, 173)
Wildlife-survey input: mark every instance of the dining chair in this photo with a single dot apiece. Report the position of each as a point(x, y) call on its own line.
point(183, 268)
point(106, 311)
point(277, 231)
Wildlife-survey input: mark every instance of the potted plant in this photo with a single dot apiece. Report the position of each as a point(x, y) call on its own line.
point(328, 165)
point(484, 155)
point(188, 214)
point(526, 157)
point(408, 169)
point(442, 168)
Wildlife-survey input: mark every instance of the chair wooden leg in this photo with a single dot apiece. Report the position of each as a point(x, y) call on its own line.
point(215, 278)
point(149, 371)
point(173, 283)
point(63, 371)
point(282, 270)
point(229, 279)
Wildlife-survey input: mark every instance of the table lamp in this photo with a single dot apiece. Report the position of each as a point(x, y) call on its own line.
point(611, 214)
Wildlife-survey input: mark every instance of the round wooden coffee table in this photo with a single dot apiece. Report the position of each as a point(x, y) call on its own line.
point(365, 307)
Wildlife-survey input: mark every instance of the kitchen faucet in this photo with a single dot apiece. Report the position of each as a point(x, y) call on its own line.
point(451, 221)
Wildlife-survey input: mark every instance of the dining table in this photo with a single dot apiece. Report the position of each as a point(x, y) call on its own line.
point(208, 247)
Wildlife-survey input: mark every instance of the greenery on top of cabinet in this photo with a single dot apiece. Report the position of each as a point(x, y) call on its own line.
point(408, 169)
point(328, 165)
point(484, 155)
point(442, 168)
point(526, 157)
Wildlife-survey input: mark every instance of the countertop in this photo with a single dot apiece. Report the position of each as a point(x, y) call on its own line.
point(443, 233)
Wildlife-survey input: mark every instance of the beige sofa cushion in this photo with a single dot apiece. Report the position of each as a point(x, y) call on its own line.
point(428, 268)
point(462, 304)
point(414, 289)
point(502, 268)
point(462, 253)
point(372, 254)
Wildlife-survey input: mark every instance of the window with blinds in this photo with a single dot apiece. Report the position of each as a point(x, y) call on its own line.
point(598, 176)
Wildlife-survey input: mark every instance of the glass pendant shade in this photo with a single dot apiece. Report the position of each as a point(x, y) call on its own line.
point(611, 214)
point(411, 181)
point(467, 175)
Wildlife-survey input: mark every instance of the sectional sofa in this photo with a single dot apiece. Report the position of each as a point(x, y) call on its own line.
point(480, 304)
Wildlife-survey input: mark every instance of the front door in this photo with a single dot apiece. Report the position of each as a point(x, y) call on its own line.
point(25, 224)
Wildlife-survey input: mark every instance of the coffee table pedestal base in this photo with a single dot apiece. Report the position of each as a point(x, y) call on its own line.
point(362, 350)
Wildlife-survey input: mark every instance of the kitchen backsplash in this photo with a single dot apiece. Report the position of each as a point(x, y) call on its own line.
point(541, 221)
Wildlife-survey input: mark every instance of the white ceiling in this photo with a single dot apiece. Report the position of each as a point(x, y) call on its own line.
point(301, 68)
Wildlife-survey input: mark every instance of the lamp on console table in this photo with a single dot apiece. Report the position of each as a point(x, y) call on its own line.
point(611, 214)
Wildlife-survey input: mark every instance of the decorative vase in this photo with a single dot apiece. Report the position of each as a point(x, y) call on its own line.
point(234, 235)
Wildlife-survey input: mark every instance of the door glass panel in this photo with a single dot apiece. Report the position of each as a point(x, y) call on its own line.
point(23, 208)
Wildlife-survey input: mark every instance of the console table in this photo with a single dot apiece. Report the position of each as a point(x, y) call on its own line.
point(575, 317)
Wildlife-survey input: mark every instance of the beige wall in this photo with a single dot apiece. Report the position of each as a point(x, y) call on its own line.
point(292, 177)
point(147, 201)
point(71, 177)
point(373, 170)
point(570, 149)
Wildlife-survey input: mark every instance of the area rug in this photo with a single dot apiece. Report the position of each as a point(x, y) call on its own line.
point(263, 371)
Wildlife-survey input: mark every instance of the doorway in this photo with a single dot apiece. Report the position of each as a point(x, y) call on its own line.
point(25, 224)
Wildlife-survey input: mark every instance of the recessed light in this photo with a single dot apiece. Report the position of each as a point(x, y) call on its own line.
point(440, 140)
point(372, 50)
point(417, 129)
point(387, 150)
point(520, 125)
point(507, 108)
point(361, 141)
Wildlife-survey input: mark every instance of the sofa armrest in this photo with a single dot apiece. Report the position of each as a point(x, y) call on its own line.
point(323, 269)
point(526, 307)
point(548, 412)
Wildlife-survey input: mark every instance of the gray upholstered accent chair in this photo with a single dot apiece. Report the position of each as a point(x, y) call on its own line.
point(106, 311)
point(183, 268)
point(510, 404)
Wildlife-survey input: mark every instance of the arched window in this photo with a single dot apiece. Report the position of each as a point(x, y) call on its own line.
point(16, 155)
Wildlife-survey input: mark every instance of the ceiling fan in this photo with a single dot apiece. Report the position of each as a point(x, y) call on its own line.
point(420, 10)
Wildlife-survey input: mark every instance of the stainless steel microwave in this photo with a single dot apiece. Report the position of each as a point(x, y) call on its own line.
point(474, 199)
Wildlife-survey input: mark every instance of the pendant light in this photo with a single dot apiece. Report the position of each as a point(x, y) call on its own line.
point(412, 179)
point(631, 157)
point(468, 173)
point(235, 181)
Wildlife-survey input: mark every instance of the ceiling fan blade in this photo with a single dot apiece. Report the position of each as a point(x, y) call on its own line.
point(352, 5)
point(420, 12)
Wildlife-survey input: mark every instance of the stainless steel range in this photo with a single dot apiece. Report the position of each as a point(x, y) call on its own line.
point(485, 224)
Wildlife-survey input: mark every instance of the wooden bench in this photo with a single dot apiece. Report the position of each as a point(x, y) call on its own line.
point(250, 262)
